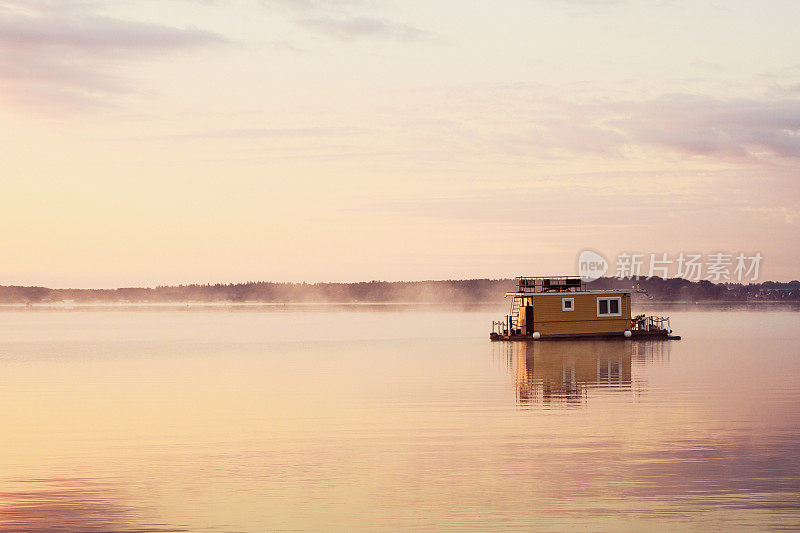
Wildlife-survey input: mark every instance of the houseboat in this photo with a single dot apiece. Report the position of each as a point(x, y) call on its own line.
point(562, 307)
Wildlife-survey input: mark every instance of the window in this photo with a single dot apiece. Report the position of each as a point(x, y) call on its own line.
point(567, 304)
point(609, 306)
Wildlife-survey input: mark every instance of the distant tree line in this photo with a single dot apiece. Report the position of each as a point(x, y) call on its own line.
point(445, 291)
point(682, 290)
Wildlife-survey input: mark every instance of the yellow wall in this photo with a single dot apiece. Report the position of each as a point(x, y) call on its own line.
point(549, 319)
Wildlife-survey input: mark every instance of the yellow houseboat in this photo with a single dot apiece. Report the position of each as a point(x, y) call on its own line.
point(558, 307)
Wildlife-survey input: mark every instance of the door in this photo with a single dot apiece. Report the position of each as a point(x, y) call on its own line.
point(529, 320)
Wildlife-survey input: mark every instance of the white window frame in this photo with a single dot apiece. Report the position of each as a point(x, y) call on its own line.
point(571, 307)
point(609, 298)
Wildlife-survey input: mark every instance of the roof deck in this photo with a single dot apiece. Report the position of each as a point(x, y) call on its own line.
point(542, 284)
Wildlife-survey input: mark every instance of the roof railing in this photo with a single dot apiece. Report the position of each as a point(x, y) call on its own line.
point(538, 284)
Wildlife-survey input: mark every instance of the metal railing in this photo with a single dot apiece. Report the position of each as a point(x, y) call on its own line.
point(539, 284)
point(650, 323)
point(505, 327)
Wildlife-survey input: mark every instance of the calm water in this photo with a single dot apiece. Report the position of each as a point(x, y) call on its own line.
point(260, 419)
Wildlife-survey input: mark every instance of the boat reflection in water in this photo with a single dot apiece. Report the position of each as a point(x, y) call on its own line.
point(566, 373)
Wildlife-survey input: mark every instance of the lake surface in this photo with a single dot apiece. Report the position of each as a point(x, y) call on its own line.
point(393, 418)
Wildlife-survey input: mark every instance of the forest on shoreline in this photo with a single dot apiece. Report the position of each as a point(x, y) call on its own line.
point(444, 291)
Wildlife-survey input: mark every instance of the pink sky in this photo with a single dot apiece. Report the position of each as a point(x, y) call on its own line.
point(160, 142)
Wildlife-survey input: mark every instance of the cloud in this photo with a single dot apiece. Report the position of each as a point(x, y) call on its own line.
point(335, 19)
point(702, 125)
point(707, 66)
point(591, 205)
point(95, 33)
point(314, 5)
point(592, 2)
point(62, 54)
point(257, 133)
point(348, 28)
point(756, 130)
point(550, 136)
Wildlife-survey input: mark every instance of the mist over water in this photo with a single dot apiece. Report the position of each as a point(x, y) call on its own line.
point(393, 417)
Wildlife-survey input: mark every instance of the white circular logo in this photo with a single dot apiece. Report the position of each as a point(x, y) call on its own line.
point(591, 265)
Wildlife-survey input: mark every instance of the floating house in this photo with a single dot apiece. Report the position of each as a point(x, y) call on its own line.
point(553, 307)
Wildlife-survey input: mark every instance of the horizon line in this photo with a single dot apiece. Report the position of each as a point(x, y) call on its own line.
point(430, 280)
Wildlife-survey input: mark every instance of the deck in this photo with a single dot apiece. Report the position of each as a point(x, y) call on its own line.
point(635, 335)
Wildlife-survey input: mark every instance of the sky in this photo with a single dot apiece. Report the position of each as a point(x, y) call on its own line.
point(152, 142)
